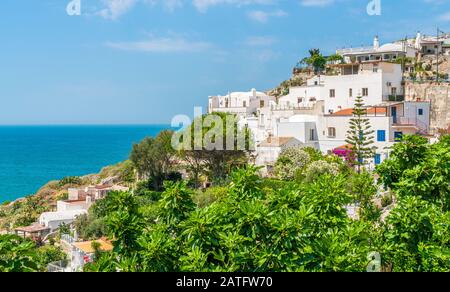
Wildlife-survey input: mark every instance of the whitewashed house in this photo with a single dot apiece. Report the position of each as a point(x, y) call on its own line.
point(241, 103)
point(389, 121)
point(53, 220)
point(388, 52)
point(270, 149)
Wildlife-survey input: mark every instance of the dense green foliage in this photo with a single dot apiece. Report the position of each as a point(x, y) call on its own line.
point(213, 146)
point(417, 232)
point(257, 224)
point(22, 255)
point(154, 158)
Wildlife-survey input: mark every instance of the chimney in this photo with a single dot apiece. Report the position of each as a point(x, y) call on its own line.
point(254, 92)
point(376, 43)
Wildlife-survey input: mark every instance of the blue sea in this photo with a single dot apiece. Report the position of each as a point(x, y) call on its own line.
point(31, 156)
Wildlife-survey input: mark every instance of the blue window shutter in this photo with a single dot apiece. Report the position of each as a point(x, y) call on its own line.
point(377, 159)
point(381, 135)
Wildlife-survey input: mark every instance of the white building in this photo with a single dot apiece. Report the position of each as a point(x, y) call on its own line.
point(387, 52)
point(390, 121)
point(270, 149)
point(241, 103)
point(83, 253)
point(53, 220)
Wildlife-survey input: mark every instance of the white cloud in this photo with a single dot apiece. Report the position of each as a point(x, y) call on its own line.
point(263, 16)
point(113, 9)
point(317, 3)
point(172, 44)
point(116, 8)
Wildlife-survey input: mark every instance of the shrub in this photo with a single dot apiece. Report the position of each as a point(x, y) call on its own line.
point(70, 180)
point(320, 168)
point(204, 198)
point(291, 160)
point(386, 200)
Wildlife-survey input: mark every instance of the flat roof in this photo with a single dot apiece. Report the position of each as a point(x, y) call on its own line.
point(276, 141)
point(33, 228)
point(86, 246)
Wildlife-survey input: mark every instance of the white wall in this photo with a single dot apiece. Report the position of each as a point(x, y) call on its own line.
point(376, 82)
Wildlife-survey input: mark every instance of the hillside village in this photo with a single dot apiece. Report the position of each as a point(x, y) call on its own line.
point(398, 83)
point(313, 111)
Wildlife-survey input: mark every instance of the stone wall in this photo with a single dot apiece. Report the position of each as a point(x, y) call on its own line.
point(439, 96)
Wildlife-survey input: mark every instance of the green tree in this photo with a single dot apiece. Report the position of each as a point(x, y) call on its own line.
point(360, 134)
point(315, 60)
point(18, 255)
point(215, 144)
point(154, 158)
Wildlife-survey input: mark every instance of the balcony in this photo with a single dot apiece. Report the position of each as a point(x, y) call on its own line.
point(412, 123)
point(392, 97)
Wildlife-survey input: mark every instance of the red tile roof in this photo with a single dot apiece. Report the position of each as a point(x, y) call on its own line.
point(370, 111)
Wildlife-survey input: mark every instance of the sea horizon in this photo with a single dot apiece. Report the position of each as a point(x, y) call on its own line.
point(33, 155)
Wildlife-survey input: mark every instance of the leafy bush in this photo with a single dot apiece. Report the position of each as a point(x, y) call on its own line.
point(386, 200)
point(204, 198)
point(320, 168)
point(290, 161)
point(70, 180)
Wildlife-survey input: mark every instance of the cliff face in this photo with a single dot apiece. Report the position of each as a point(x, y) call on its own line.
point(25, 211)
point(439, 96)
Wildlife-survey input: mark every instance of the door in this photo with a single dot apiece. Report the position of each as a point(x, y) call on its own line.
point(394, 114)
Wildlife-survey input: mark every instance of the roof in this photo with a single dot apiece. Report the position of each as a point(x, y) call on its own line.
point(276, 141)
point(34, 228)
point(392, 47)
point(62, 215)
point(346, 147)
point(370, 111)
point(86, 246)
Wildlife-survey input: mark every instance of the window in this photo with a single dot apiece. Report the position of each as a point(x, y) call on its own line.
point(350, 92)
point(300, 100)
point(377, 159)
point(365, 92)
point(420, 112)
point(398, 136)
point(312, 135)
point(375, 69)
point(226, 103)
point(261, 103)
point(332, 93)
point(244, 104)
point(332, 132)
point(316, 83)
point(381, 135)
point(394, 91)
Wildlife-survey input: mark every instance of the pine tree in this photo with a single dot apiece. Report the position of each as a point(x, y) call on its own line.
point(360, 134)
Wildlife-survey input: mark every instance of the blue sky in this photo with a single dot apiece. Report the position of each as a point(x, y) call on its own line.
point(144, 61)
